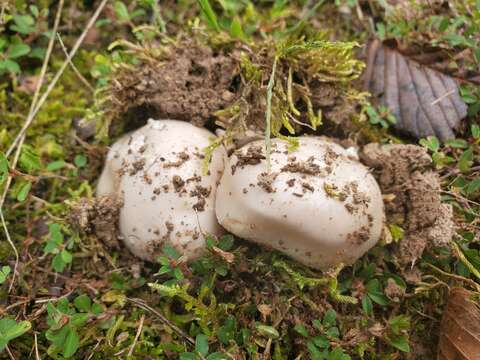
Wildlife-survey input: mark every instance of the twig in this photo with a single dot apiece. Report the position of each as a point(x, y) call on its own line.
point(10, 353)
point(37, 354)
point(440, 98)
point(9, 239)
point(93, 350)
point(140, 303)
point(137, 335)
point(74, 68)
point(455, 276)
point(299, 122)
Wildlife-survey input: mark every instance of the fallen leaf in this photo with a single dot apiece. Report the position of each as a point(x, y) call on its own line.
point(424, 101)
point(228, 257)
point(460, 327)
point(265, 309)
point(446, 61)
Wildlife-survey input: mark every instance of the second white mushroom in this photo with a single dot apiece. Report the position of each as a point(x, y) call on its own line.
point(318, 204)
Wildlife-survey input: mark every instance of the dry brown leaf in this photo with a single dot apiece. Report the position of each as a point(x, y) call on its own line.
point(441, 59)
point(424, 101)
point(265, 310)
point(460, 328)
point(228, 257)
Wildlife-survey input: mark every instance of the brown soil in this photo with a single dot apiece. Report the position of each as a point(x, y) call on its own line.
point(404, 172)
point(178, 183)
point(307, 167)
point(188, 83)
point(201, 193)
point(253, 156)
point(182, 158)
point(98, 216)
point(265, 181)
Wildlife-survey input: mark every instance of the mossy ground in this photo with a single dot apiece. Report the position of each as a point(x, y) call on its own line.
point(86, 301)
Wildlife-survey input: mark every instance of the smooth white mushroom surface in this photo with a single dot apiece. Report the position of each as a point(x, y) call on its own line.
point(317, 204)
point(157, 171)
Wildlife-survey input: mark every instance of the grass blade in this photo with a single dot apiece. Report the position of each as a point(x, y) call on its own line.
point(209, 14)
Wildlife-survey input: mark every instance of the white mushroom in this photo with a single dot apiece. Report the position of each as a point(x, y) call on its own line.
point(157, 173)
point(318, 204)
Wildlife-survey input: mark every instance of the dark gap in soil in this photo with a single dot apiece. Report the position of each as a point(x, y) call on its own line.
point(235, 84)
point(137, 117)
point(210, 124)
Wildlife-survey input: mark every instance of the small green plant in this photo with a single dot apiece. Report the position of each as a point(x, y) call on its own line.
point(374, 294)
point(169, 266)
point(229, 331)
point(65, 320)
point(26, 28)
point(4, 272)
point(398, 333)
point(373, 289)
point(330, 281)
point(462, 153)
point(319, 346)
point(10, 329)
point(201, 351)
point(440, 159)
point(4, 168)
point(471, 95)
point(55, 245)
point(218, 261)
point(210, 266)
point(382, 117)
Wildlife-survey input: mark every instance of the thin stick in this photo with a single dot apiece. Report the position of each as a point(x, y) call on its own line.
point(454, 276)
point(37, 354)
point(140, 303)
point(10, 353)
point(448, 93)
point(74, 68)
point(93, 350)
point(137, 335)
point(10, 242)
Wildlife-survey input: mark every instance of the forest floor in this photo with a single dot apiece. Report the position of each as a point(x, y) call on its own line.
point(76, 75)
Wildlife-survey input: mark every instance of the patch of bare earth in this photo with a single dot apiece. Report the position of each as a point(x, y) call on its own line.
point(99, 217)
point(187, 82)
point(412, 192)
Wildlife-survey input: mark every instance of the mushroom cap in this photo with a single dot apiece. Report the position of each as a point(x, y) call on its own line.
point(157, 171)
point(318, 204)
